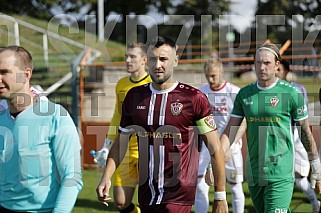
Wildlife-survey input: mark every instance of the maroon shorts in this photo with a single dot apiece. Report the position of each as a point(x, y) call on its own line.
point(165, 208)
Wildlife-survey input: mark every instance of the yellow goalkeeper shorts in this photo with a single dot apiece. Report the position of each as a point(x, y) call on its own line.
point(127, 172)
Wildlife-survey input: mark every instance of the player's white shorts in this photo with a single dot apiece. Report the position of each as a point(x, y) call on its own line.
point(234, 167)
point(302, 165)
point(204, 160)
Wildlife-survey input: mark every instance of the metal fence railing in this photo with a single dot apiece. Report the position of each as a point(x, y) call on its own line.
point(13, 25)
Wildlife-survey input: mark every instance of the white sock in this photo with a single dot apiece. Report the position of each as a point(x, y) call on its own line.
point(304, 184)
point(201, 197)
point(238, 199)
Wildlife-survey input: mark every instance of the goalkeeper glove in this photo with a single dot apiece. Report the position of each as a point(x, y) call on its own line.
point(315, 173)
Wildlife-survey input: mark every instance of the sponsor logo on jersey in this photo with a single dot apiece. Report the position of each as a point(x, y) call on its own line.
point(141, 107)
point(274, 101)
point(301, 110)
point(142, 134)
point(176, 108)
point(248, 101)
point(209, 121)
point(219, 110)
point(263, 119)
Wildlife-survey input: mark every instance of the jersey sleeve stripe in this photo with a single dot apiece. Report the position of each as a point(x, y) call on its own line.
point(125, 130)
point(300, 119)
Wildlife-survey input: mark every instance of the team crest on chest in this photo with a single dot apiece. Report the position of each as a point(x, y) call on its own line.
point(274, 101)
point(176, 108)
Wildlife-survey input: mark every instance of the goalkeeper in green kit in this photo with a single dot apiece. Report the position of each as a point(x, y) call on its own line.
point(271, 108)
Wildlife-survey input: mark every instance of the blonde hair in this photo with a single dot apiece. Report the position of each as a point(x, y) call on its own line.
point(213, 63)
point(272, 48)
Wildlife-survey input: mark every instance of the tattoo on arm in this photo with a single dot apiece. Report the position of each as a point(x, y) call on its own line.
point(308, 140)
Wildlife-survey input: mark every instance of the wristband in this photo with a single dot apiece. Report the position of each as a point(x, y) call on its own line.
point(220, 195)
point(315, 165)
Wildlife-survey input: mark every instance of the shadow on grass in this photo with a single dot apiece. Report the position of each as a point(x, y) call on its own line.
point(86, 204)
point(249, 209)
point(299, 198)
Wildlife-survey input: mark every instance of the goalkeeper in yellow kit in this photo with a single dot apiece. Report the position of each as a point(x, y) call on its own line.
point(125, 178)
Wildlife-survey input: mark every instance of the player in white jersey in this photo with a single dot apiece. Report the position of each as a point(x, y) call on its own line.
point(302, 165)
point(221, 95)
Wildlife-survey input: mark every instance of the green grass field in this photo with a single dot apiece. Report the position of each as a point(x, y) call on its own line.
point(87, 199)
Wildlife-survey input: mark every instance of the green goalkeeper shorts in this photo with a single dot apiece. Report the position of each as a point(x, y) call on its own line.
point(272, 196)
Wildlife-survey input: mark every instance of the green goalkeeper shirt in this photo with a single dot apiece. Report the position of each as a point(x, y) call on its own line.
point(269, 113)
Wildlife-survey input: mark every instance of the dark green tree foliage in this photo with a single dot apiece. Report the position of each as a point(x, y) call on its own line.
point(302, 21)
point(198, 8)
point(41, 8)
point(309, 10)
point(202, 7)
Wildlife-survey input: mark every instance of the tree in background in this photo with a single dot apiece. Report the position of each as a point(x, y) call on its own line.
point(293, 13)
point(301, 25)
point(199, 9)
point(42, 8)
point(45, 9)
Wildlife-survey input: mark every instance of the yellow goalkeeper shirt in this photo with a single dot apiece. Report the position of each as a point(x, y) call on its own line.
point(122, 87)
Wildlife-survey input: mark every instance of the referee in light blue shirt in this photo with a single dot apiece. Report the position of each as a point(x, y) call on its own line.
point(40, 166)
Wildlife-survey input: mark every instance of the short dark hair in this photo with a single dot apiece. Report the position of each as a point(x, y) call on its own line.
point(286, 65)
point(23, 56)
point(137, 45)
point(161, 40)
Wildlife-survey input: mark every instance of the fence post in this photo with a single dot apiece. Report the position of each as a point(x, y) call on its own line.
point(75, 68)
point(45, 48)
point(16, 33)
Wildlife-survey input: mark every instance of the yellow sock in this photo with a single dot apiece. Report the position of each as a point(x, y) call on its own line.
point(136, 210)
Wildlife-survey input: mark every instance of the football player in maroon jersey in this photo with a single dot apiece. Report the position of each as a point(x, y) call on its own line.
point(168, 117)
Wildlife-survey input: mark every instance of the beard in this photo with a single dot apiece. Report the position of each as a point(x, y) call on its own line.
point(160, 80)
point(157, 80)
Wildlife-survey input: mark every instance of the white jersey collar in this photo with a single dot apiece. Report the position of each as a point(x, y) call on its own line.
point(269, 87)
point(163, 91)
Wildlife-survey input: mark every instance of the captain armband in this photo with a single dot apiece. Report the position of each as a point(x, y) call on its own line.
point(206, 124)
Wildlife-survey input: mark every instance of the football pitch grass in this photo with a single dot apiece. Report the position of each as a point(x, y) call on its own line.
point(87, 199)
